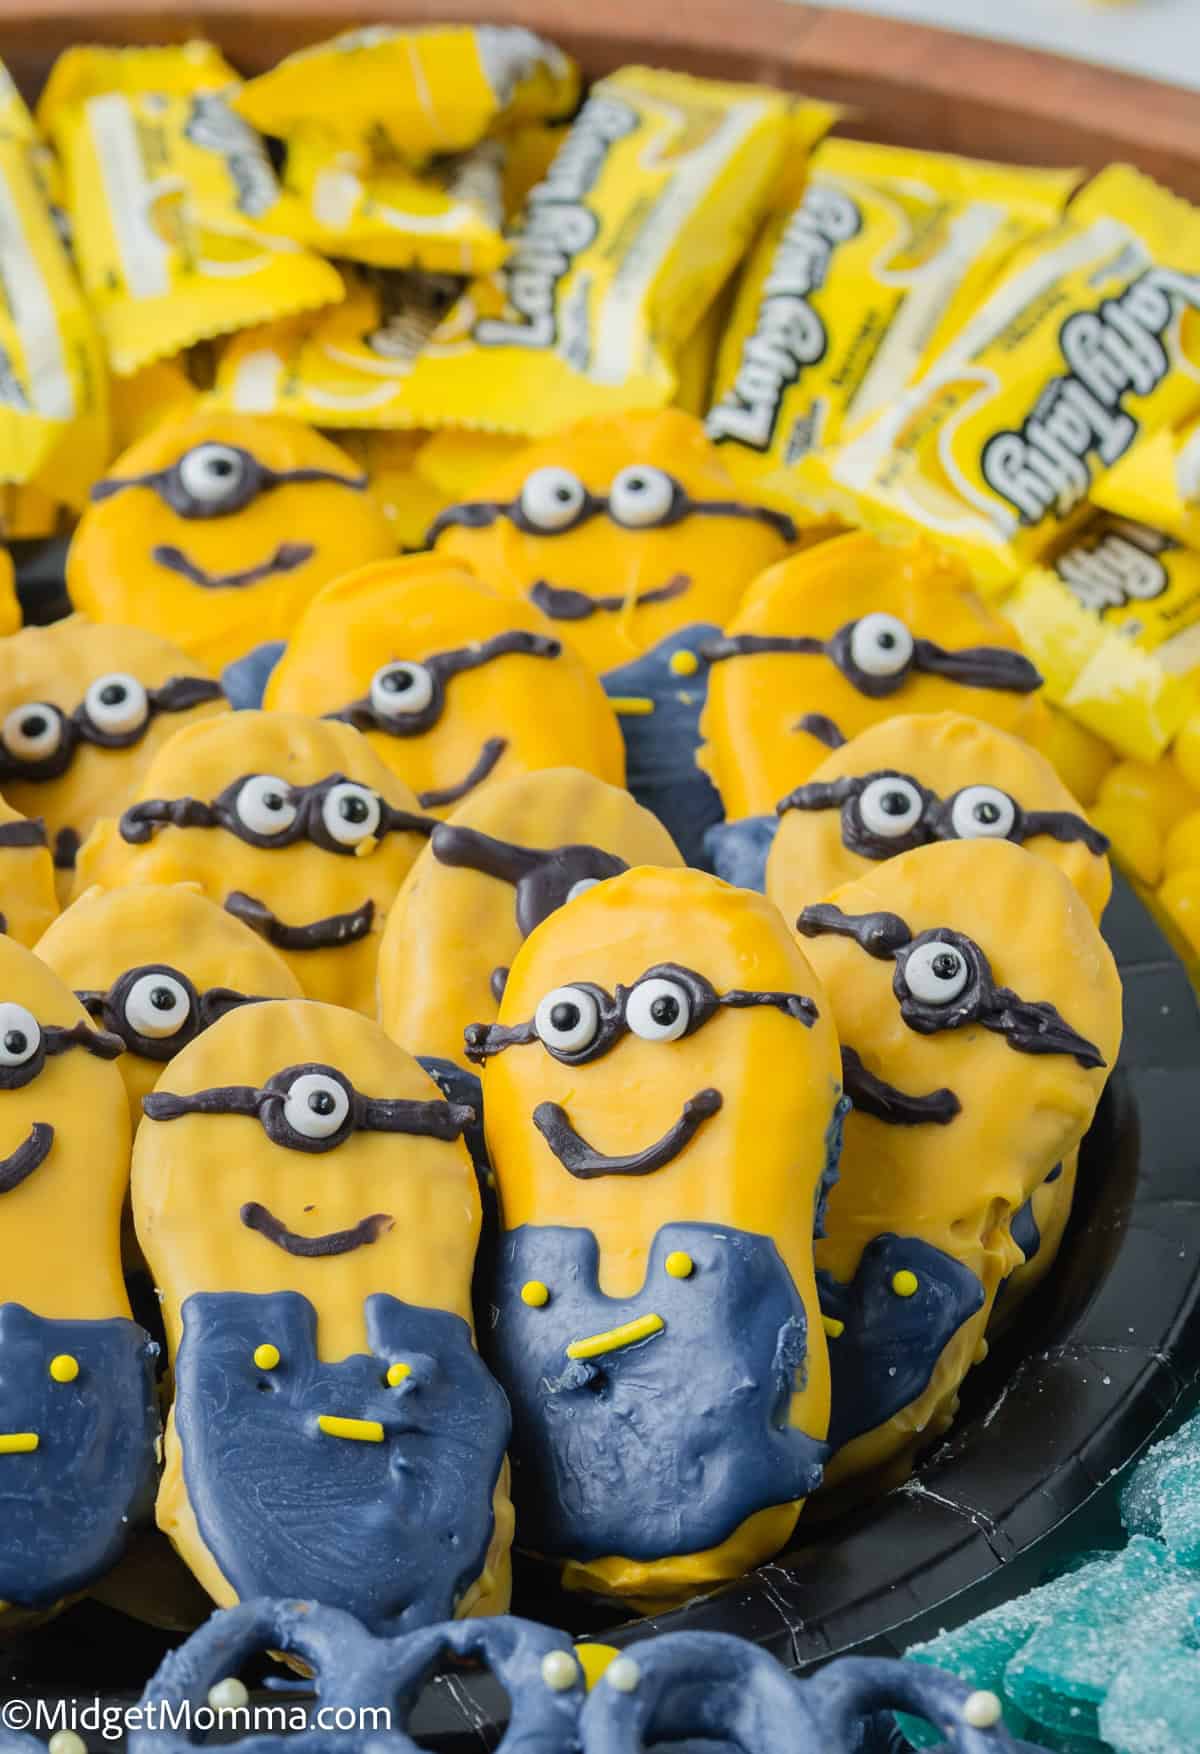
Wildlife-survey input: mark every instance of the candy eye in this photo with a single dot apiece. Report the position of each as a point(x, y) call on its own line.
point(399, 689)
point(158, 1006)
point(658, 1010)
point(32, 732)
point(316, 1106)
point(936, 972)
point(582, 887)
point(210, 474)
point(20, 1035)
point(116, 703)
point(552, 498)
point(982, 810)
point(890, 806)
point(640, 496)
point(263, 805)
point(567, 1019)
point(351, 814)
point(880, 645)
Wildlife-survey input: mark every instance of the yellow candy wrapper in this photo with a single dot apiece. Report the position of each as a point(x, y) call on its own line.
point(92, 71)
point(1158, 483)
point(164, 189)
point(390, 461)
point(15, 119)
point(414, 93)
point(1113, 624)
point(886, 255)
point(637, 223)
point(1090, 340)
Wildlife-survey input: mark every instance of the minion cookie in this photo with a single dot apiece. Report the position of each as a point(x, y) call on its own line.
point(979, 1011)
point(662, 1102)
point(216, 529)
point(292, 824)
point(78, 1413)
point(919, 779)
point(306, 1203)
point(618, 531)
point(488, 877)
point(452, 686)
point(838, 638)
point(155, 964)
point(28, 901)
point(83, 712)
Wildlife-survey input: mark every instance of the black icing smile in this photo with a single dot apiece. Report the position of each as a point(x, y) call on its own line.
point(331, 933)
point(288, 557)
point(543, 879)
point(63, 733)
point(884, 1102)
point(995, 667)
point(333, 1242)
point(407, 698)
point(584, 1162)
point(563, 604)
point(489, 755)
point(20, 1164)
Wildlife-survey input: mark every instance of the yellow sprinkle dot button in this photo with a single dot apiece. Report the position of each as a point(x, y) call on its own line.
point(905, 1282)
point(683, 663)
point(535, 1294)
point(64, 1368)
point(398, 1373)
point(680, 1265)
point(266, 1357)
point(832, 1326)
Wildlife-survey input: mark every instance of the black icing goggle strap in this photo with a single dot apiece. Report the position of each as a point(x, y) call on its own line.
point(543, 878)
point(26, 1044)
point(137, 994)
point(35, 720)
point(481, 514)
point(242, 479)
point(408, 698)
point(876, 668)
point(944, 981)
point(306, 813)
point(29, 832)
point(314, 1107)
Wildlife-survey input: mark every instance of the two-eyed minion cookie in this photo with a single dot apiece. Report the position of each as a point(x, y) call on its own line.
point(662, 1102)
point(452, 686)
point(306, 1203)
point(28, 899)
point(292, 824)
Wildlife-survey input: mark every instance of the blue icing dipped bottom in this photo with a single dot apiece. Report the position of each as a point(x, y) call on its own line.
point(737, 851)
point(652, 1425)
point(244, 681)
point(78, 1427)
point(889, 1326)
point(329, 1479)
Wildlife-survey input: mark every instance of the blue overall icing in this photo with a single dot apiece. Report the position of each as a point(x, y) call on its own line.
point(245, 680)
point(1025, 1232)
point(885, 1356)
point(67, 1508)
point(660, 747)
point(460, 1086)
point(392, 1531)
point(834, 1137)
point(662, 1447)
point(737, 851)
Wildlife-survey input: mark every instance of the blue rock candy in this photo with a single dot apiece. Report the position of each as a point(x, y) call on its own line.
point(1153, 1706)
point(1162, 1495)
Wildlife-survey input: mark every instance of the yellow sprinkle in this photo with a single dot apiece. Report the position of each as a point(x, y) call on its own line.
point(904, 1283)
point(358, 1430)
point(366, 847)
point(535, 1294)
point(398, 1373)
point(266, 1356)
point(64, 1368)
point(679, 1265)
point(683, 663)
point(614, 1338)
point(594, 1660)
point(631, 706)
point(832, 1326)
point(17, 1443)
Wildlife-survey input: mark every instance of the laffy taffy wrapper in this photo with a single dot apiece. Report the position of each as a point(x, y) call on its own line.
point(642, 214)
point(164, 188)
point(1090, 340)
point(882, 261)
point(1158, 483)
point(414, 93)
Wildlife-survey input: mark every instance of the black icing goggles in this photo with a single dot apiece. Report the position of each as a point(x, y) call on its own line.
point(336, 814)
point(38, 740)
point(215, 481)
point(156, 1010)
point(408, 698)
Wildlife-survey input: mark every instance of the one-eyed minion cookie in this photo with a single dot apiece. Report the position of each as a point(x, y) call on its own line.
point(979, 1011)
point(155, 964)
point(28, 900)
point(838, 638)
point(307, 1205)
point(500, 866)
point(78, 1414)
point(216, 529)
point(918, 779)
point(83, 712)
point(453, 686)
point(618, 531)
point(292, 824)
point(662, 1102)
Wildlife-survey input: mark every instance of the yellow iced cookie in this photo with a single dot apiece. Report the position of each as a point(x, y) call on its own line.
point(619, 531)
point(662, 1103)
point(28, 901)
point(452, 686)
point(216, 529)
point(1037, 1230)
point(84, 710)
point(919, 779)
point(155, 964)
point(308, 1208)
point(10, 608)
point(979, 1011)
point(838, 638)
point(489, 876)
point(292, 824)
